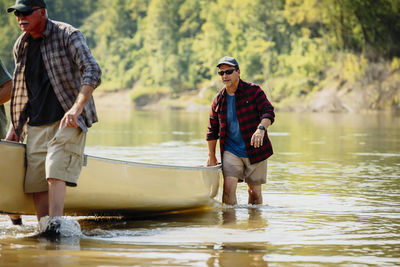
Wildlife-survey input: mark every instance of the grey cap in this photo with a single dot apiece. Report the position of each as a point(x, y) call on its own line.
point(228, 61)
point(25, 5)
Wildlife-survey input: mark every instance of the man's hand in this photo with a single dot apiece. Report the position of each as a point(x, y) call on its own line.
point(258, 138)
point(70, 118)
point(212, 161)
point(11, 135)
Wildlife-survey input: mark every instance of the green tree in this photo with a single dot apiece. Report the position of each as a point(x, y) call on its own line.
point(190, 21)
point(73, 12)
point(9, 32)
point(161, 40)
point(166, 47)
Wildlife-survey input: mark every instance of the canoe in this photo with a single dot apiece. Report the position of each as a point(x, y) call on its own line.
point(108, 186)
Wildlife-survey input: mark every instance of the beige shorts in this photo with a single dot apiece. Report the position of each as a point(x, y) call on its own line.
point(241, 168)
point(53, 153)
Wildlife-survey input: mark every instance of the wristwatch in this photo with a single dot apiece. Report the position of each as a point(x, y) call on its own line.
point(261, 127)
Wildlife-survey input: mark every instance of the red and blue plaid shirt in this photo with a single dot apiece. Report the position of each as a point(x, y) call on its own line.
point(252, 106)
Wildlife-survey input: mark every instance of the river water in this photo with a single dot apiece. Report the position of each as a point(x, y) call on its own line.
point(332, 199)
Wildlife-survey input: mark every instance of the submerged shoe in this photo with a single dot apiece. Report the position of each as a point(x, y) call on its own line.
point(17, 221)
point(52, 229)
point(57, 227)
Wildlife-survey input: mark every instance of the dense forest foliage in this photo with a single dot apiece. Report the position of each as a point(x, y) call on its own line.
point(169, 47)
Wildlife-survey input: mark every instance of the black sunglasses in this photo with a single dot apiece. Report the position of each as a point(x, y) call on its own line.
point(228, 72)
point(25, 13)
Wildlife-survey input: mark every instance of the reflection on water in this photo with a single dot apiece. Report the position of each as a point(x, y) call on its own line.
point(333, 198)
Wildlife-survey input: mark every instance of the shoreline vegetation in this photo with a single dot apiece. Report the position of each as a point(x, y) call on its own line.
point(377, 90)
point(319, 56)
point(366, 95)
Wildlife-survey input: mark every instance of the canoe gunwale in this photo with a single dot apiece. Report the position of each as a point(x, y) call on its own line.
point(11, 143)
point(153, 165)
point(133, 163)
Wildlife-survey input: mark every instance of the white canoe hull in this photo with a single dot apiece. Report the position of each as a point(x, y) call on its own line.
point(113, 187)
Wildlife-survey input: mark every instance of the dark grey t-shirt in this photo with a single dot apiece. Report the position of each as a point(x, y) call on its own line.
point(43, 105)
point(4, 77)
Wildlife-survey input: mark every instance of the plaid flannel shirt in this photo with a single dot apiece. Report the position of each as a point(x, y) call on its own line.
point(69, 64)
point(252, 106)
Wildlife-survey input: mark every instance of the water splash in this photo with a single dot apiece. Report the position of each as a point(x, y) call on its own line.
point(68, 227)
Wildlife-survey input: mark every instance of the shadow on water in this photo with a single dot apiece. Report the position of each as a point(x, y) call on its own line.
point(216, 216)
point(204, 238)
point(208, 234)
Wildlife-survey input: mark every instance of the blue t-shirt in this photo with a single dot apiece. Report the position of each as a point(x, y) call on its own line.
point(234, 139)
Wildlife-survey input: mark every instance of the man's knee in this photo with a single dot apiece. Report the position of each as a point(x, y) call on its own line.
point(55, 181)
point(229, 192)
point(255, 194)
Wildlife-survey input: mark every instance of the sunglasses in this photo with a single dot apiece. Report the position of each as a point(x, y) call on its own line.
point(25, 13)
point(228, 72)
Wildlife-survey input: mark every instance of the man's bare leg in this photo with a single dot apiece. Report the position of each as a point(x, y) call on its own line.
point(229, 192)
point(255, 194)
point(41, 201)
point(57, 189)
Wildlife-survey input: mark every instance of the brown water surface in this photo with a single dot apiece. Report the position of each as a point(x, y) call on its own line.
point(332, 199)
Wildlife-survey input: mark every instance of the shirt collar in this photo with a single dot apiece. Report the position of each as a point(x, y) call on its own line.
point(47, 29)
point(238, 91)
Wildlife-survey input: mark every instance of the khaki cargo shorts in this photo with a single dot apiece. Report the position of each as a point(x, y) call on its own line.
point(242, 169)
point(53, 153)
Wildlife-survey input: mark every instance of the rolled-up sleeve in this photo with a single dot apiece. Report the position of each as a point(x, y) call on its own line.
point(88, 67)
point(213, 123)
point(264, 106)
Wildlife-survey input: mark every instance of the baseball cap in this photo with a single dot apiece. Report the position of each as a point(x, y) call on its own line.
point(229, 61)
point(25, 5)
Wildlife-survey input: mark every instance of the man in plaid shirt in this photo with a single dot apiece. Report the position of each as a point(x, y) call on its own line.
point(52, 104)
point(239, 118)
point(5, 95)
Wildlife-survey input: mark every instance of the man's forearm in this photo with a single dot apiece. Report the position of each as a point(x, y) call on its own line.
point(212, 159)
point(265, 122)
point(5, 92)
point(83, 97)
point(212, 144)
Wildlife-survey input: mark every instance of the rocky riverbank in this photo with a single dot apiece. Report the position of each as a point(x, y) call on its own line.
point(378, 90)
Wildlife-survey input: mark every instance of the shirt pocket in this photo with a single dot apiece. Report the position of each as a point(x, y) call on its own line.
point(246, 105)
